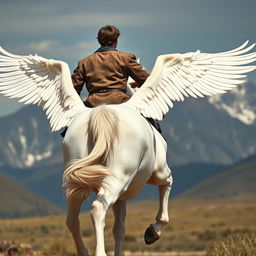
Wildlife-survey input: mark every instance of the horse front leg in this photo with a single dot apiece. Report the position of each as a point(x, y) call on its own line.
point(153, 232)
point(72, 221)
point(119, 210)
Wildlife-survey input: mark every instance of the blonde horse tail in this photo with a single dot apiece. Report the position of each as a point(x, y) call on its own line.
point(86, 175)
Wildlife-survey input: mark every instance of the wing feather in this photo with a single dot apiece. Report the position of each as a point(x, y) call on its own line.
point(206, 90)
point(47, 83)
point(228, 76)
point(165, 96)
point(163, 106)
point(168, 87)
point(178, 81)
point(195, 74)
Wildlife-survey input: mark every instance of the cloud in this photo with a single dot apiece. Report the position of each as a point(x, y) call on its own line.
point(85, 45)
point(56, 49)
point(54, 23)
point(44, 45)
point(48, 19)
point(8, 106)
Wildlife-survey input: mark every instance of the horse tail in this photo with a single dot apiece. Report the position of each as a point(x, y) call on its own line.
point(86, 175)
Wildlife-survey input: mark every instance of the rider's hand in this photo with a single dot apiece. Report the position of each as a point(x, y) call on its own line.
point(134, 84)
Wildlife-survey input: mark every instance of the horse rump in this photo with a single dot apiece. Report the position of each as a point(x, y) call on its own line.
point(86, 175)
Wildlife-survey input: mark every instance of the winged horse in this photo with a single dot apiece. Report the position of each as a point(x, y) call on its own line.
point(113, 150)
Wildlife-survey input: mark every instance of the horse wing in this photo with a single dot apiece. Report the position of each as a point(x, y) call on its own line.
point(196, 74)
point(45, 82)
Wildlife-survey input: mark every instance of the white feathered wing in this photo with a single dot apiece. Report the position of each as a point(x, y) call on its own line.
point(196, 74)
point(45, 82)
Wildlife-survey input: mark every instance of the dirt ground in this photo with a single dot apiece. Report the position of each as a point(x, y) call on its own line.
point(129, 253)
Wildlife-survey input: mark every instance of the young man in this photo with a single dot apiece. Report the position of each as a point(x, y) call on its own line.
point(106, 71)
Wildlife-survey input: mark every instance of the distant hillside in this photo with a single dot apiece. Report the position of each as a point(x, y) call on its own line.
point(196, 131)
point(184, 178)
point(238, 182)
point(202, 137)
point(43, 180)
point(26, 139)
point(17, 201)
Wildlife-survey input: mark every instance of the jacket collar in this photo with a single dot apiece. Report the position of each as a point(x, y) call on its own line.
point(106, 48)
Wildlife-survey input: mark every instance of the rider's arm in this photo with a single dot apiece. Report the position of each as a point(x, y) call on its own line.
point(136, 71)
point(78, 77)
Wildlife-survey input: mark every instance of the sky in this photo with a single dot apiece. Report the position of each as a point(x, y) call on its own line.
point(67, 30)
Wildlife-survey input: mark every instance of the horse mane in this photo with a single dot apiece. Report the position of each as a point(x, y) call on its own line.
point(86, 175)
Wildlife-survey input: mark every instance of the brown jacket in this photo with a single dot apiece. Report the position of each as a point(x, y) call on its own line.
point(107, 68)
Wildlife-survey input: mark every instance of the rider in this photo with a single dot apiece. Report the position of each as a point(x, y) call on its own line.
point(106, 71)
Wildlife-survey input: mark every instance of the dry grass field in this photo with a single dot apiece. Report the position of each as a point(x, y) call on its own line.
point(194, 227)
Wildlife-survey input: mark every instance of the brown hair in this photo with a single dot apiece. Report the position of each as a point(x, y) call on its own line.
point(107, 35)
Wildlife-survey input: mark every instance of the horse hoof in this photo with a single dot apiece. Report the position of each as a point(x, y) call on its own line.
point(151, 235)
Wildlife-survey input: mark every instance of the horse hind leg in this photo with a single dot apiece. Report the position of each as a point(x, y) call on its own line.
point(119, 210)
point(106, 198)
point(153, 232)
point(72, 221)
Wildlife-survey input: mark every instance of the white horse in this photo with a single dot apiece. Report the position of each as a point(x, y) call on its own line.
point(113, 150)
point(119, 152)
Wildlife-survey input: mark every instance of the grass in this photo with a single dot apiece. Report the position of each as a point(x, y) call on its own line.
point(238, 245)
point(195, 226)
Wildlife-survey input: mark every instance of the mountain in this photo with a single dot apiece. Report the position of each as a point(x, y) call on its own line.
point(238, 182)
point(197, 130)
point(43, 180)
point(201, 135)
point(31, 154)
point(184, 177)
point(26, 139)
point(17, 201)
point(239, 103)
point(200, 131)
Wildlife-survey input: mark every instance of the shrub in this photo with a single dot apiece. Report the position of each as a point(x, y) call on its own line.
point(130, 238)
point(237, 245)
point(207, 235)
point(44, 229)
point(87, 233)
point(58, 248)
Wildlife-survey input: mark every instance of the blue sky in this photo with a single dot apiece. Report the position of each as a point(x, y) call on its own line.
point(67, 29)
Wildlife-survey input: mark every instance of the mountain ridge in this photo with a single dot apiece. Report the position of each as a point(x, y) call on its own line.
point(236, 182)
point(196, 132)
point(17, 201)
